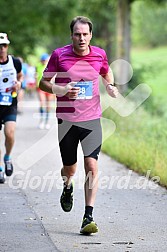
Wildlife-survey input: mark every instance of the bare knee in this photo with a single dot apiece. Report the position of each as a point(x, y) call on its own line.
point(91, 166)
point(9, 130)
point(9, 134)
point(68, 170)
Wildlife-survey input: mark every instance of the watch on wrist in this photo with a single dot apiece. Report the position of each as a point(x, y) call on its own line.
point(110, 85)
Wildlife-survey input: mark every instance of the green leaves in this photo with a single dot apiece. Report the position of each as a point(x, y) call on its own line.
point(35, 23)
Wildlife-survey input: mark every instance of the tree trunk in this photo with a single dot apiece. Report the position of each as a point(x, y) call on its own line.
point(108, 38)
point(123, 43)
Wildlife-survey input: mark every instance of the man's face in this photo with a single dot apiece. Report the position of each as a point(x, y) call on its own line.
point(3, 49)
point(81, 37)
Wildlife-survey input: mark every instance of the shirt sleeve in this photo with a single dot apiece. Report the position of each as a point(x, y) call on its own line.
point(52, 66)
point(17, 64)
point(105, 67)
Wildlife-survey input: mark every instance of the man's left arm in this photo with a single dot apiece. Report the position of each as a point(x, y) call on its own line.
point(19, 79)
point(108, 81)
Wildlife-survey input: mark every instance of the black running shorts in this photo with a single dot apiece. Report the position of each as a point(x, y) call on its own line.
point(8, 113)
point(89, 134)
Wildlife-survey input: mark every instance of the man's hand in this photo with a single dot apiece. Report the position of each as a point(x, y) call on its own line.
point(16, 86)
point(69, 90)
point(72, 92)
point(112, 91)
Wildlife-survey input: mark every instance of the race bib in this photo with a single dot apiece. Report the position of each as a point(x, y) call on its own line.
point(5, 99)
point(85, 91)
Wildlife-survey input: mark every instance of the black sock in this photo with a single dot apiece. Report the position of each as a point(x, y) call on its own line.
point(67, 187)
point(88, 211)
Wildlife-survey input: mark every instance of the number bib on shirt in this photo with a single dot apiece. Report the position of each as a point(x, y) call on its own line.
point(5, 99)
point(85, 89)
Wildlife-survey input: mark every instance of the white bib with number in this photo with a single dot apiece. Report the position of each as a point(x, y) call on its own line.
point(86, 89)
point(5, 99)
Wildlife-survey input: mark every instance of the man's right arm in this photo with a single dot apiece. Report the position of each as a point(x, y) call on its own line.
point(45, 85)
point(48, 85)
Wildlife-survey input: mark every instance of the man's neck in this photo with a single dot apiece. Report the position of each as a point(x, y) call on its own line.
point(3, 58)
point(82, 53)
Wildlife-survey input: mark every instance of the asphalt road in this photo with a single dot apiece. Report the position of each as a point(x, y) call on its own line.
point(130, 210)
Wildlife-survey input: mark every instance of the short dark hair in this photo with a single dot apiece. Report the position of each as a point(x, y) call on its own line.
point(83, 20)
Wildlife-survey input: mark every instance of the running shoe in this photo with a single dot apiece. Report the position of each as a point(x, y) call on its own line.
point(66, 199)
point(41, 125)
point(2, 176)
point(47, 126)
point(8, 167)
point(88, 226)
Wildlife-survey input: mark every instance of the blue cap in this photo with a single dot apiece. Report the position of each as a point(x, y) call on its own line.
point(44, 56)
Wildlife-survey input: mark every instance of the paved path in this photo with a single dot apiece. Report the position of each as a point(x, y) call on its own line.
point(131, 211)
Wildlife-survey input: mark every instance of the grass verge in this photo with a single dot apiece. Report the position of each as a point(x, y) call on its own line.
point(139, 142)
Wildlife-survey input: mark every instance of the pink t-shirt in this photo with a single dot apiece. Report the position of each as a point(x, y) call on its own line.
point(85, 70)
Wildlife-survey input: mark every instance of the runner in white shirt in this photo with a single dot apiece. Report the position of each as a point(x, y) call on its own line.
point(10, 82)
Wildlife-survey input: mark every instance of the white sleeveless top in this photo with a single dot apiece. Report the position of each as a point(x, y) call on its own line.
point(8, 76)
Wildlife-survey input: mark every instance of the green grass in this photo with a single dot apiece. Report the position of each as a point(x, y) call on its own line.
point(140, 143)
point(140, 140)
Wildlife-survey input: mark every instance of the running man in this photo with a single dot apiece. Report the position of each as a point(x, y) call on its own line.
point(73, 74)
point(10, 82)
point(44, 97)
point(21, 92)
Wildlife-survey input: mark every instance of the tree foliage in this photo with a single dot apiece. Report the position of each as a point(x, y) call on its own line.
point(149, 23)
point(31, 24)
point(39, 22)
